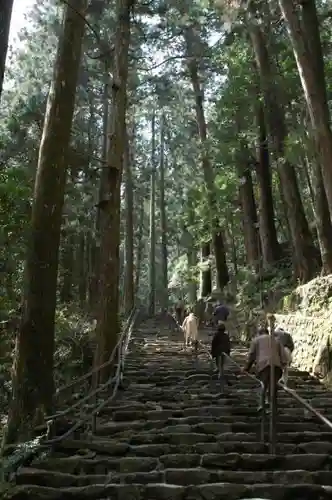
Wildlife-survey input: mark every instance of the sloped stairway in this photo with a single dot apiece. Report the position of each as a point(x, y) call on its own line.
point(171, 435)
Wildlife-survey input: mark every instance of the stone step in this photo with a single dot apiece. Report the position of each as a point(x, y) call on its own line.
point(162, 373)
point(172, 434)
point(78, 464)
point(162, 491)
point(209, 428)
point(225, 414)
point(114, 447)
point(190, 439)
point(174, 476)
point(154, 411)
point(133, 421)
point(238, 401)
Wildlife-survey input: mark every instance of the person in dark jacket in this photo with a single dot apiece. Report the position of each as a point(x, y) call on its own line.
point(220, 313)
point(221, 345)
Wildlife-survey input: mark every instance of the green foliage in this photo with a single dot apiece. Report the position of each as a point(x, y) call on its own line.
point(158, 79)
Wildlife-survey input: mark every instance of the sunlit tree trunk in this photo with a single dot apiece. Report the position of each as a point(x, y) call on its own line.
point(217, 236)
point(152, 235)
point(267, 229)
point(303, 28)
point(248, 203)
point(33, 365)
point(108, 322)
point(206, 278)
point(95, 250)
point(163, 221)
point(139, 246)
point(129, 228)
point(305, 254)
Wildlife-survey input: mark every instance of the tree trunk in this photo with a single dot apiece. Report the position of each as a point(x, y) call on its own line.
point(6, 7)
point(129, 239)
point(323, 220)
point(250, 221)
point(66, 290)
point(90, 263)
point(305, 254)
point(101, 219)
point(231, 233)
point(206, 278)
point(191, 252)
point(139, 247)
point(152, 235)
point(305, 38)
point(108, 324)
point(217, 237)
point(305, 165)
point(267, 229)
point(320, 210)
point(81, 269)
point(163, 222)
point(33, 365)
point(192, 286)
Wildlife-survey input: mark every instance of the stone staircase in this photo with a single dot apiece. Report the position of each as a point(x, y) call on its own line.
point(172, 435)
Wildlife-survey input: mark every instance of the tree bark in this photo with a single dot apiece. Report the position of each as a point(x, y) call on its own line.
point(217, 236)
point(108, 323)
point(66, 290)
point(6, 8)
point(206, 278)
point(323, 220)
point(305, 38)
point(139, 247)
point(33, 365)
point(191, 252)
point(103, 193)
point(81, 268)
point(267, 229)
point(152, 235)
point(248, 203)
point(163, 221)
point(305, 254)
point(129, 238)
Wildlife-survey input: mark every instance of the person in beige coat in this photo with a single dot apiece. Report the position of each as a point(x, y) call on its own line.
point(190, 329)
point(286, 340)
point(260, 355)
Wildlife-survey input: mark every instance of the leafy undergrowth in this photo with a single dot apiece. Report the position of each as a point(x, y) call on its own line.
point(73, 353)
point(256, 293)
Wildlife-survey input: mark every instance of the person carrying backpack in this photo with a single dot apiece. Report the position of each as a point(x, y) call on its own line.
point(221, 345)
point(286, 341)
point(221, 313)
point(260, 355)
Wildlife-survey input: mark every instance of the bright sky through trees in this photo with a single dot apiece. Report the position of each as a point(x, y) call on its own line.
point(20, 9)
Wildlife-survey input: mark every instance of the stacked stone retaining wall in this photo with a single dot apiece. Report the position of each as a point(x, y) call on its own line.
point(312, 337)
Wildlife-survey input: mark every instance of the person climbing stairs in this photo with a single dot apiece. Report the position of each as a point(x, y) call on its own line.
point(172, 435)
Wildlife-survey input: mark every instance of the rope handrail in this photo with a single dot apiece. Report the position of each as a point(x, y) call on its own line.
point(97, 368)
point(117, 378)
point(307, 405)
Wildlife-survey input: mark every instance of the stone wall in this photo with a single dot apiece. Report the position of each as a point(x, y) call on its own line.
point(312, 337)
